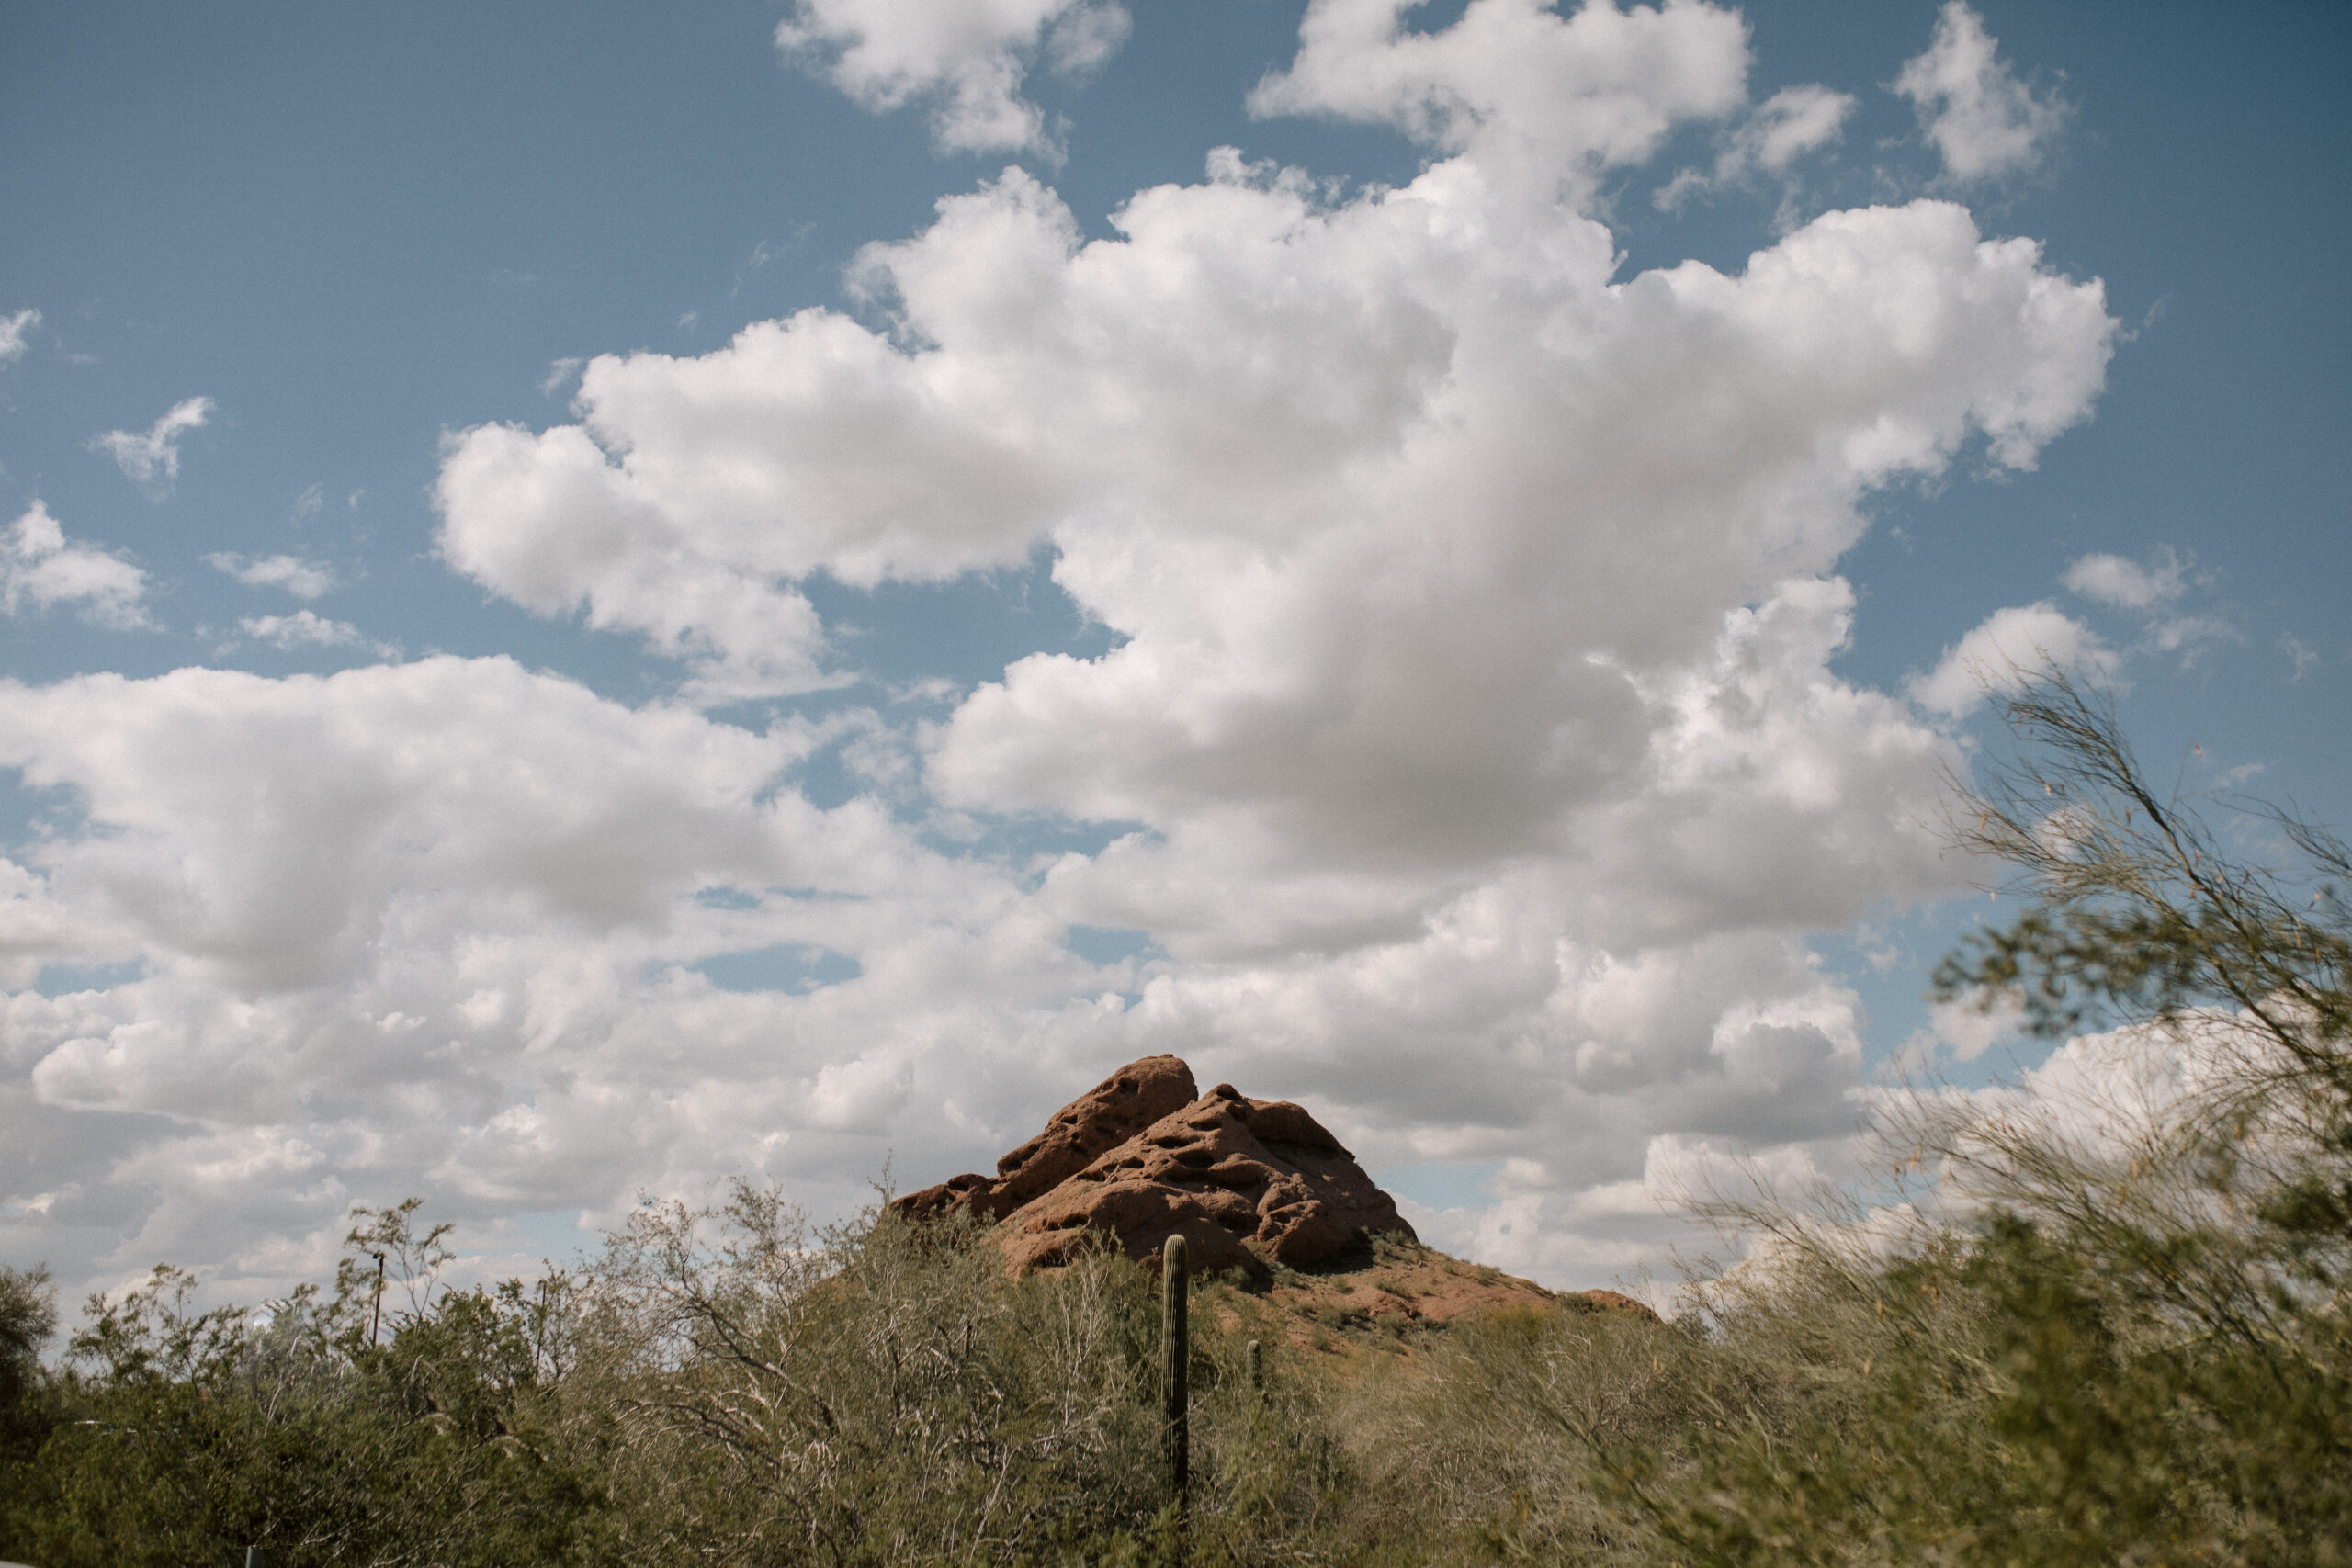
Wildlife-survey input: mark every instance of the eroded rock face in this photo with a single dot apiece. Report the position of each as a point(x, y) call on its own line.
point(1100, 1120)
point(1247, 1182)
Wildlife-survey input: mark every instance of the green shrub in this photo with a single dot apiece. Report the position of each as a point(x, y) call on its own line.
point(173, 1436)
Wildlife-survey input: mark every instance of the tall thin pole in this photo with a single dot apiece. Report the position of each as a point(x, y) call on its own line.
point(1175, 1352)
point(375, 1320)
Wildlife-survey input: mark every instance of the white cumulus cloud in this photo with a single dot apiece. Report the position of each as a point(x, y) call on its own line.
point(303, 578)
point(1469, 749)
point(16, 333)
point(1245, 382)
point(2009, 645)
point(559, 374)
point(41, 569)
point(1476, 604)
point(305, 629)
point(967, 58)
point(1787, 126)
point(1983, 121)
point(432, 927)
point(151, 459)
point(1532, 90)
point(1794, 122)
point(2153, 591)
point(2126, 584)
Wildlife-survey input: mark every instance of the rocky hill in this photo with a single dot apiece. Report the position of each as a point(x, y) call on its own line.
point(1257, 1188)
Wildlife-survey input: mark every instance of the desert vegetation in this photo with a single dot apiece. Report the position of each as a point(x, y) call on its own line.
point(2104, 1325)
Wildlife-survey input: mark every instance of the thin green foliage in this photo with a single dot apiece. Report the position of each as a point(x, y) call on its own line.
point(2115, 1330)
point(173, 1435)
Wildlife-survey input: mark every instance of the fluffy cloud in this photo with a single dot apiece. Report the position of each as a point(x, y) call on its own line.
point(303, 578)
point(1247, 383)
point(968, 56)
point(2153, 592)
point(2128, 585)
point(434, 778)
point(1787, 126)
point(2024, 637)
point(1413, 513)
point(2006, 647)
point(443, 928)
point(152, 460)
point(547, 521)
point(1474, 689)
point(369, 910)
point(305, 629)
point(39, 569)
point(16, 333)
point(1471, 716)
point(1966, 1030)
point(1984, 123)
point(1792, 123)
point(1528, 90)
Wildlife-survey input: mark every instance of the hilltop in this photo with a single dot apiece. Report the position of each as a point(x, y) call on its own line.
point(1261, 1192)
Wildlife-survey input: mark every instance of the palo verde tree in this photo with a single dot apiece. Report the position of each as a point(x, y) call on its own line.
point(2141, 918)
point(2111, 1325)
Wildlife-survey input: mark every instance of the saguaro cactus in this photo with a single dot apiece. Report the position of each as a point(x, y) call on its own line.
point(1175, 1354)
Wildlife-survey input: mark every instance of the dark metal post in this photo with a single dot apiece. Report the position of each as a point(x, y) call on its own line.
point(253, 1556)
point(1175, 1353)
point(377, 1321)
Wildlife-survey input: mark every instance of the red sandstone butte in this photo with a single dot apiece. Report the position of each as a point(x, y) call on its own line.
point(1095, 1122)
point(1246, 1182)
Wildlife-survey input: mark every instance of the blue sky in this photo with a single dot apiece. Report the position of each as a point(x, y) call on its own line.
point(1489, 643)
